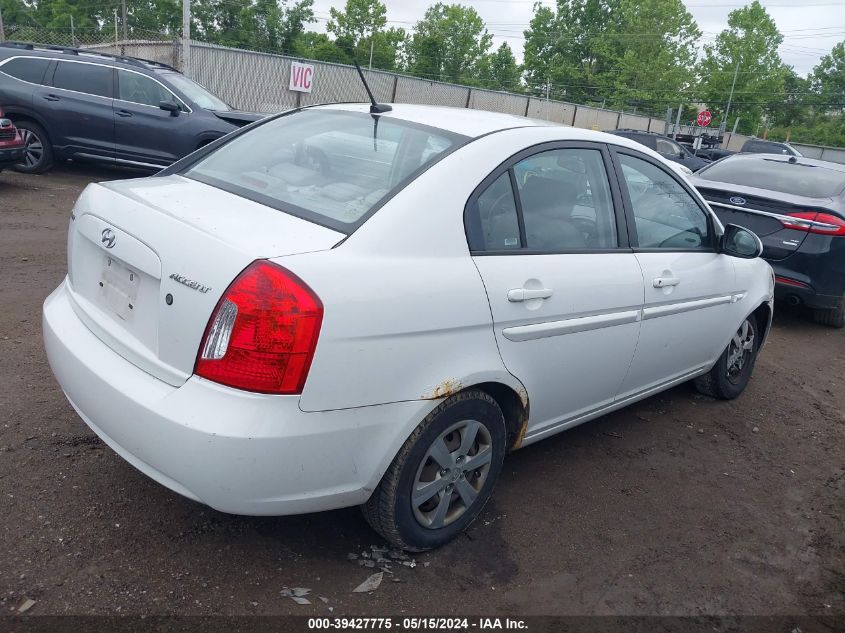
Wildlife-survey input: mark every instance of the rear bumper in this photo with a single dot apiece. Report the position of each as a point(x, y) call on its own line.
point(814, 274)
point(807, 296)
point(235, 451)
point(10, 156)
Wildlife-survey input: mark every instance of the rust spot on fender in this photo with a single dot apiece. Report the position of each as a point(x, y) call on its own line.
point(517, 443)
point(444, 389)
point(523, 396)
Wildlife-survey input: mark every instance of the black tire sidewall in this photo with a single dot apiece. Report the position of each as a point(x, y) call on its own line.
point(730, 389)
point(488, 414)
point(47, 149)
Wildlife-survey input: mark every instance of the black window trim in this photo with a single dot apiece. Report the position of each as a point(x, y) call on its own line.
point(52, 81)
point(472, 220)
point(616, 151)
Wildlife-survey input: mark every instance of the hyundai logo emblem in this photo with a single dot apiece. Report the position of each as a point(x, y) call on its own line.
point(737, 200)
point(107, 237)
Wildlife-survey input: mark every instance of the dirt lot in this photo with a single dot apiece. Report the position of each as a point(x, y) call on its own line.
point(677, 505)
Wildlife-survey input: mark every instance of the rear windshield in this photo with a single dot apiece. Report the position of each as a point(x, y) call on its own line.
point(778, 175)
point(329, 167)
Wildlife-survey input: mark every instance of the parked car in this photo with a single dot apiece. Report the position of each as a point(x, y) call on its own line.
point(797, 207)
point(83, 105)
point(665, 146)
point(762, 146)
point(342, 306)
point(715, 153)
point(11, 142)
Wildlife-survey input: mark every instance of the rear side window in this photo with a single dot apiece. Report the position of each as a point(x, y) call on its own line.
point(90, 79)
point(331, 167)
point(31, 70)
point(562, 203)
point(666, 147)
point(800, 179)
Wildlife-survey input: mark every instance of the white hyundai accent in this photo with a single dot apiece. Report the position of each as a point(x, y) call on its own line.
point(334, 307)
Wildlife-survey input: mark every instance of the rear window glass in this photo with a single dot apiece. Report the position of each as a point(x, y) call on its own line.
point(326, 166)
point(31, 70)
point(778, 175)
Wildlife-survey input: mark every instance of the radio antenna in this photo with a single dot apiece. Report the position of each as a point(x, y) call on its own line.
point(375, 108)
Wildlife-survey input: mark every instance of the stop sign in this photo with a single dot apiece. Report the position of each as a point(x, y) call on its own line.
point(704, 118)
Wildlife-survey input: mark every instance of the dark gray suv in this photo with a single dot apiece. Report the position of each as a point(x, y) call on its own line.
point(83, 105)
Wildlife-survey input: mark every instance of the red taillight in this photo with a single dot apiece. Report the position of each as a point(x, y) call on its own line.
point(813, 222)
point(263, 332)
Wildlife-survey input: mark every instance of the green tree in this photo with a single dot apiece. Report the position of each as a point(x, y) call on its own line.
point(268, 25)
point(448, 44)
point(828, 79)
point(618, 52)
point(749, 44)
point(499, 70)
point(359, 19)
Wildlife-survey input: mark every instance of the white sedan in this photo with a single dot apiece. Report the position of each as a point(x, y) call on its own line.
point(332, 308)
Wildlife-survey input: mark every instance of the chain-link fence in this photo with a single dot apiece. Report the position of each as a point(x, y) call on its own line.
point(258, 81)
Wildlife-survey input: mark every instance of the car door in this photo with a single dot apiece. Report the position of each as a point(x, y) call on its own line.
point(144, 132)
point(548, 237)
point(691, 301)
point(78, 104)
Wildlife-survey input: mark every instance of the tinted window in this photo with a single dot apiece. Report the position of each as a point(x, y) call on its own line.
point(666, 216)
point(566, 201)
point(31, 70)
point(88, 78)
point(141, 89)
point(780, 175)
point(497, 212)
point(329, 166)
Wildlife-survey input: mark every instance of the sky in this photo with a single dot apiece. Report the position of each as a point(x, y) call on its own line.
point(810, 27)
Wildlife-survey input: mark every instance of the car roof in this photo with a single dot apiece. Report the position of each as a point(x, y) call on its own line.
point(475, 123)
point(14, 49)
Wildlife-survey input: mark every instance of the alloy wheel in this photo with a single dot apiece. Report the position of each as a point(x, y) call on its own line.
point(33, 148)
point(740, 349)
point(452, 474)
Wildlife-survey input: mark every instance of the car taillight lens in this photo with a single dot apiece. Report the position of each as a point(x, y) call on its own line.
point(813, 222)
point(263, 332)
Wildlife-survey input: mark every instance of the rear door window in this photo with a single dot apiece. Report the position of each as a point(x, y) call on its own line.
point(26, 69)
point(91, 79)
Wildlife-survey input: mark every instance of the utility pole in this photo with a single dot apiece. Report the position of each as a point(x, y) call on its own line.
point(115, 28)
point(372, 42)
point(548, 87)
point(186, 37)
point(677, 122)
point(123, 20)
point(731, 96)
point(72, 33)
point(2, 29)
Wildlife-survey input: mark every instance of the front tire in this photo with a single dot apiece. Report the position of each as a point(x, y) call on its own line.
point(442, 476)
point(731, 373)
point(38, 156)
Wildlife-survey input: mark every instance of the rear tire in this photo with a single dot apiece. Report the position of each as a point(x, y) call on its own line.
point(38, 156)
point(731, 373)
point(442, 476)
point(831, 317)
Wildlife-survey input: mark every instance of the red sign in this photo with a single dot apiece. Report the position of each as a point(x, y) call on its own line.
point(704, 118)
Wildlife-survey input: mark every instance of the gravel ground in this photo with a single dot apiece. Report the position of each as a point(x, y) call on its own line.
point(677, 505)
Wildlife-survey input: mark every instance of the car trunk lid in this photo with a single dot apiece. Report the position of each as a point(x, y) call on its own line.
point(757, 210)
point(148, 260)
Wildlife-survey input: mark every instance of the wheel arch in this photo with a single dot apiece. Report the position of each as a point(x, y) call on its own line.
point(19, 114)
point(763, 315)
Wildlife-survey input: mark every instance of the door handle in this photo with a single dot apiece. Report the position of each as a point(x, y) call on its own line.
point(525, 294)
point(664, 282)
point(124, 113)
point(51, 97)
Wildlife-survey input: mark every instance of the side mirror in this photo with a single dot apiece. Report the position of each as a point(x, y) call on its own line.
point(170, 106)
point(738, 241)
